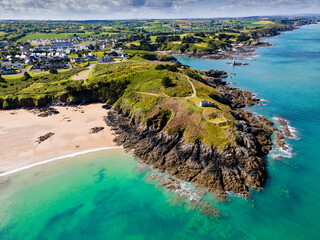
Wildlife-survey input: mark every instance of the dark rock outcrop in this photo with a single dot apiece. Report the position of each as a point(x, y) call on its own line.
point(44, 137)
point(216, 74)
point(230, 169)
point(44, 111)
point(232, 96)
point(96, 130)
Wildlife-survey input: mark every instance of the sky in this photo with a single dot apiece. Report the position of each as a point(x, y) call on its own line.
point(155, 9)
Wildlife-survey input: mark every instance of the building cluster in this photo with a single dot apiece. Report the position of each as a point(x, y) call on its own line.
point(73, 44)
point(54, 59)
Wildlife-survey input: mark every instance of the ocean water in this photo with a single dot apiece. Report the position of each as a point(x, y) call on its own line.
point(106, 195)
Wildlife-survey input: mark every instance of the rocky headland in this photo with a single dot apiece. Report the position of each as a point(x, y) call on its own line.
point(233, 167)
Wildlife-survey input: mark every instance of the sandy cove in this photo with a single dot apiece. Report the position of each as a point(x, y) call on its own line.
point(20, 130)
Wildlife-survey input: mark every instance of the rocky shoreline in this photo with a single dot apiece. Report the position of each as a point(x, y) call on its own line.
point(232, 169)
point(235, 97)
point(285, 131)
point(236, 51)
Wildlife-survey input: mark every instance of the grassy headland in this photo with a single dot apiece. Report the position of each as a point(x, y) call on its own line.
point(137, 88)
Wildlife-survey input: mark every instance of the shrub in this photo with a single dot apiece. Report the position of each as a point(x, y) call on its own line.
point(2, 79)
point(170, 67)
point(167, 82)
point(53, 71)
point(160, 67)
point(26, 76)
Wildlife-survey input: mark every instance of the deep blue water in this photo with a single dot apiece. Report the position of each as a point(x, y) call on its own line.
point(102, 196)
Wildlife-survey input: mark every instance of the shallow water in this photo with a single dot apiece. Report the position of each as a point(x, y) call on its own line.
point(102, 195)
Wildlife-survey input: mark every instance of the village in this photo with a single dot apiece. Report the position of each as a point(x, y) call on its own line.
point(45, 54)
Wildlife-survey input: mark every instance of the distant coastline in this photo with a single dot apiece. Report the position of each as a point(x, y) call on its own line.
point(239, 51)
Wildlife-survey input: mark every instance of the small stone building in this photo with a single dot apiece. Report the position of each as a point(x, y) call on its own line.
point(206, 104)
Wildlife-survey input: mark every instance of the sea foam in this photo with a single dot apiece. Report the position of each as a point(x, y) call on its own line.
point(293, 130)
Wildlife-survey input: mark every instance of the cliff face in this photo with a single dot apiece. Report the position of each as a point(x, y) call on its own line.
point(231, 168)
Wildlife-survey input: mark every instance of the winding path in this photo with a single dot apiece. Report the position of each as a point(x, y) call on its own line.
point(83, 74)
point(194, 94)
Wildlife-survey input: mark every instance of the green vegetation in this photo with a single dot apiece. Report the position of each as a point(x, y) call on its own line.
point(150, 92)
point(80, 65)
point(36, 90)
point(53, 71)
point(186, 35)
point(167, 82)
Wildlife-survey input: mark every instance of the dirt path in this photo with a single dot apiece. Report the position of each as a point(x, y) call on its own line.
point(194, 94)
point(154, 94)
point(82, 75)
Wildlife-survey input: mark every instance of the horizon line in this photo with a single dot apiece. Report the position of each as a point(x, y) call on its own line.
point(182, 18)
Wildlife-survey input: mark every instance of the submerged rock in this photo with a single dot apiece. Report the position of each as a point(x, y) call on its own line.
point(209, 210)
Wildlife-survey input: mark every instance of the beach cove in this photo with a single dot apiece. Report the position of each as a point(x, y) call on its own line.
point(101, 195)
point(70, 128)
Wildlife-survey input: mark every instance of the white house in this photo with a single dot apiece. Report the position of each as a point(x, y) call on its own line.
point(106, 58)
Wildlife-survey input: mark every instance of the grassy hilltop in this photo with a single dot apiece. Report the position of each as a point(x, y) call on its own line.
point(174, 108)
point(154, 93)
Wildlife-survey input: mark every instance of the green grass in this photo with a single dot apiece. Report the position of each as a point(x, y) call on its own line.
point(135, 86)
point(136, 43)
point(80, 65)
point(146, 97)
point(31, 36)
point(39, 84)
point(263, 23)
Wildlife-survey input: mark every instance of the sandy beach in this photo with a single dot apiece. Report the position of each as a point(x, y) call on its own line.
point(20, 131)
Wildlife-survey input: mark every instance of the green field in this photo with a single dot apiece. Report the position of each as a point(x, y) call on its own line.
point(32, 36)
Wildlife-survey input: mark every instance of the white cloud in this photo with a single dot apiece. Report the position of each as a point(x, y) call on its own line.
point(98, 5)
point(108, 9)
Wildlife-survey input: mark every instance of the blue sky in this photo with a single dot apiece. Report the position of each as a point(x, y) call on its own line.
point(127, 9)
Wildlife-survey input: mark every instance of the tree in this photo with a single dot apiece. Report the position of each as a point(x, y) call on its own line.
point(221, 36)
point(212, 45)
point(188, 39)
point(91, 47)
point(166, 82)
point(26, 76)
point(53, 71)
point(184, 47)
point(2, 79)
point(242, 37)
point(160, 67)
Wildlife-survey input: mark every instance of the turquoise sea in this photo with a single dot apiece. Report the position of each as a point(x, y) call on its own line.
point(105, 195)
